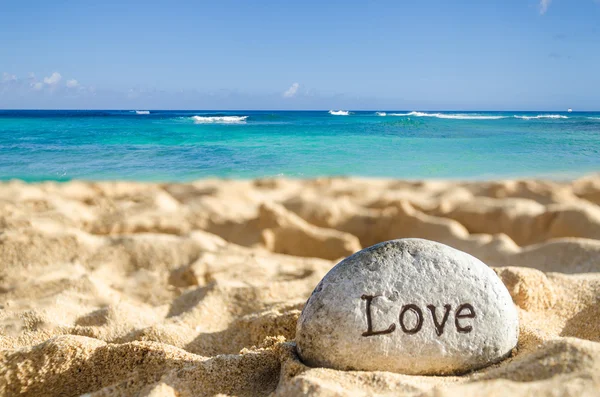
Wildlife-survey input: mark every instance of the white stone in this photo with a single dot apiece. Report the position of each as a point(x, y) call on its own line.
point(332, 330)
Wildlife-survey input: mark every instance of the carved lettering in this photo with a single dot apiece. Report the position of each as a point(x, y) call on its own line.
point(417, 311)
point(439, 327)
point(369, 331)
point(459, 315)
point(464, 311)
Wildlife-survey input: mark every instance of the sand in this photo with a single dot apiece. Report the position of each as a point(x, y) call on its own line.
point(119, 288)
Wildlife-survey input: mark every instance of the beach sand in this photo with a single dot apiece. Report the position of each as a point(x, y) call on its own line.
point(120, 288)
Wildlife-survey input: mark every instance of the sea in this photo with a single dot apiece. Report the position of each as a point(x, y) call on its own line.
point(161, 145)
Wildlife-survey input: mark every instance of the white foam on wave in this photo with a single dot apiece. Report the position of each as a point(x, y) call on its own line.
point(470, 116)
point(142, 112)
point(456, 116)
point(219, 119)
point(542, 116)
point(381, 113)
point(339, 112)
point(594, 118)
point(403, 114)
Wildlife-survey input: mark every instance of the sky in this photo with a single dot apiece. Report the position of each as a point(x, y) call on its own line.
point(306, 54)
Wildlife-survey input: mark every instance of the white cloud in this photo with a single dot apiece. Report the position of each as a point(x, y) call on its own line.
point(72, 83)
point(544, 4)
point(292, 91)
point(54, 78)
point(8, 77)
point(37, 86)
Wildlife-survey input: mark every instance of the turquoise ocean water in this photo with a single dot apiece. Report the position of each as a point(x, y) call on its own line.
point(187, 145)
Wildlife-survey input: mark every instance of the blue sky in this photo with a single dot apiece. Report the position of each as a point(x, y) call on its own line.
point(378, 54)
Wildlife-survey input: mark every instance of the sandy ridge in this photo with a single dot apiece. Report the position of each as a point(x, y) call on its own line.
point(119, 288)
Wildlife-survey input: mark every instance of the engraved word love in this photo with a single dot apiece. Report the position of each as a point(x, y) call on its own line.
point(462, 312)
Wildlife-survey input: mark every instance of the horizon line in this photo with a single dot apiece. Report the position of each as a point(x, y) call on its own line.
point(295, 110)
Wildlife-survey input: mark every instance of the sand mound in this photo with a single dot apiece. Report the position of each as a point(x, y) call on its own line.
point(120, 288)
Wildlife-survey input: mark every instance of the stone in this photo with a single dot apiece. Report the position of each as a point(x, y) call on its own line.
point(410, 306)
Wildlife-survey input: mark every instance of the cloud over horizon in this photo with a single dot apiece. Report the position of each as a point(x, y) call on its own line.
point(54, 79)
point(292, 91)
point(13, 87)
point(8, 77)
point(72, 83)
point(55, 91)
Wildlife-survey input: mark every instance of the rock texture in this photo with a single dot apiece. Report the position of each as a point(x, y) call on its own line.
point(411, 306)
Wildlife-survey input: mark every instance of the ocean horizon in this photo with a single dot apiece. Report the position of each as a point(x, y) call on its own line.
point(184, 145)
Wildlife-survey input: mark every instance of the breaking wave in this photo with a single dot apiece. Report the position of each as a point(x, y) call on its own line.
point(219, 119)
point(471, 116)
point(142, 112)
point(458, 116)
point(542, 116)
point(339, 112)
point(381, 113)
